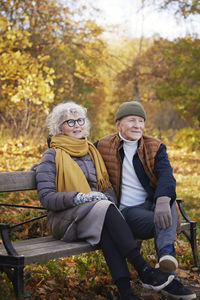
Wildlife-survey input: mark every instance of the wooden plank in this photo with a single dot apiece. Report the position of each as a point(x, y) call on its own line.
point(57, 251)
point(34, 244)
point(36, 241)
point(17, 181)
point(41, 249)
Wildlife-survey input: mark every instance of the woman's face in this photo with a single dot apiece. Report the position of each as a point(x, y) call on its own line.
point(74, 126)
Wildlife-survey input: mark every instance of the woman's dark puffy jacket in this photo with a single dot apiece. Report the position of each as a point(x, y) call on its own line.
point(63, 215)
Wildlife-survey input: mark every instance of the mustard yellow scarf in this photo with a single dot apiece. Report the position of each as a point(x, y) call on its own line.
point(69, 176)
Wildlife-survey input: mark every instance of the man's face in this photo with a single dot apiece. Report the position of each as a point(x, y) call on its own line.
point(131, 127)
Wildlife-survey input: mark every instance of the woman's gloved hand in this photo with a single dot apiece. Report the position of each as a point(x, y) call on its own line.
point(91, 196)
point(162, 213)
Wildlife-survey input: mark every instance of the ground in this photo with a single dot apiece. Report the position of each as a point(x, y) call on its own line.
point(191, 279)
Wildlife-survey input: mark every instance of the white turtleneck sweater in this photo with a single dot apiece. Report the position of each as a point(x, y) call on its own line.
point(132, 192)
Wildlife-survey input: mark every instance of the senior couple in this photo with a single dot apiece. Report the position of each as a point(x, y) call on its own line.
point(111, 193)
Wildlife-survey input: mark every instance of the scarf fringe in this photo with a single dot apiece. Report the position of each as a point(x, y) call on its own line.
point(103, 183)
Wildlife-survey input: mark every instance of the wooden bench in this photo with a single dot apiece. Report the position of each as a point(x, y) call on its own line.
point(15, 255)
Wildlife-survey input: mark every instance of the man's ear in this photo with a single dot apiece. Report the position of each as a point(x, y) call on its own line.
point(117, 124)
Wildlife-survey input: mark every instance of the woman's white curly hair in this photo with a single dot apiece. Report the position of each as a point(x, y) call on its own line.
point(62, 112)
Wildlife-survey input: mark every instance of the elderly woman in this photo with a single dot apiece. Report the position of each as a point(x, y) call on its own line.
point(73, 185)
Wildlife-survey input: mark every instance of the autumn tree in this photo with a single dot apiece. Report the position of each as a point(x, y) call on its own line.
point(25, 81)
point(174, 75)
point(181, 8)
point(184, 8)
point(168, 73)
point(53, 58)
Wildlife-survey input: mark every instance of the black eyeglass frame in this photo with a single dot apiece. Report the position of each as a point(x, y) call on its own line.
point(79, 121)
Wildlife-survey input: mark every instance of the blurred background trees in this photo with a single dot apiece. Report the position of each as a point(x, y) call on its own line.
point(46, 57)
point(54, 51)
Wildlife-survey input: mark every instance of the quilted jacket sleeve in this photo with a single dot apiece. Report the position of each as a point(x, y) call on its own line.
point(166, 185)
point(46, 185)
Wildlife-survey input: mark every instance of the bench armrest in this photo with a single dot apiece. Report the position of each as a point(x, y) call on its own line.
point(4, 228)
point(182, 211)
point(4, 231)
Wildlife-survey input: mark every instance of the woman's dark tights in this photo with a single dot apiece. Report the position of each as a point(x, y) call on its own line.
point(117, 244)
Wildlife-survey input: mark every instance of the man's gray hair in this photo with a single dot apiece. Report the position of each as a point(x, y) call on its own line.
point(62, 112)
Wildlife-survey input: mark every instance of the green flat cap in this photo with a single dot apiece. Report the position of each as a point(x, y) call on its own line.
point(130, 108)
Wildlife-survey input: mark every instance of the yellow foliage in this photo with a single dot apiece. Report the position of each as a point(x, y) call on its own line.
point(33, 80)
point(3, 23)
point(188, 138)
point(20, 154)
point(84, 72)
point(14, 39)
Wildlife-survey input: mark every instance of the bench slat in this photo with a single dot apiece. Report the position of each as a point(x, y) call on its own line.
point(41, 249)
point(17, 181)
point(38, 240)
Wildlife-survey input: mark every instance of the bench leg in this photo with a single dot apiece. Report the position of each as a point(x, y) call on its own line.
point(13, 266)
point(193, 243)
point(192, 238)
point(16, 276)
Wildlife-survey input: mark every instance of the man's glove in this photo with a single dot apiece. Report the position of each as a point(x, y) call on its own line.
point(82, 198)
point(162, 213)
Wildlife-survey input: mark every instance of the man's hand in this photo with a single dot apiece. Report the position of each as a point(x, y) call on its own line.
point(162, 213)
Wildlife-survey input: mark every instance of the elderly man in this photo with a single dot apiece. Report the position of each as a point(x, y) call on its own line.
point(142, 177)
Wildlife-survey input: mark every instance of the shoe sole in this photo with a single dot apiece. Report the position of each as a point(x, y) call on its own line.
point(168, 264)
point(186, 297)
point(159, 287)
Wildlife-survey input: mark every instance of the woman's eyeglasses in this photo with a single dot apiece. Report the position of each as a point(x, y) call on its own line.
point(71, 122)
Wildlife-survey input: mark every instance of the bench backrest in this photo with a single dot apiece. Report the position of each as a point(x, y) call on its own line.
point(17, 181)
